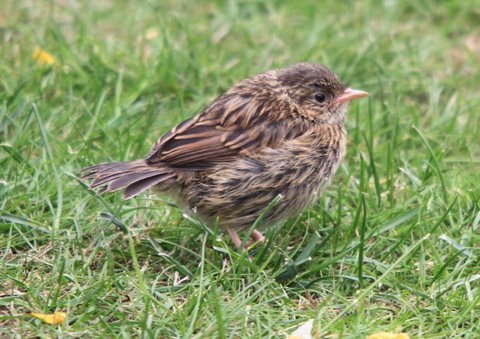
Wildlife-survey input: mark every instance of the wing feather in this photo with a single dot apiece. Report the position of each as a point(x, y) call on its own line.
point(234, 124)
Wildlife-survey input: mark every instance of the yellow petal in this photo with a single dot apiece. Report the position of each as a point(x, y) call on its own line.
point(53, 319)
point(43, 57)
point(151, 34)
point(386, 335)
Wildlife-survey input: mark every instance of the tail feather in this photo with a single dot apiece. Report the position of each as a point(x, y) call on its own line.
point(93, 171)
point(131, 178)
point(138, 187)
point(135, 176)
point(102, 179)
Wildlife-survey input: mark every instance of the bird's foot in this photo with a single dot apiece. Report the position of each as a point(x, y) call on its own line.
point(256, 237)
point(235, 237)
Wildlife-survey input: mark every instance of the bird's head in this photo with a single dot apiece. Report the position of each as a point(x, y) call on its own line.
point(317, 91)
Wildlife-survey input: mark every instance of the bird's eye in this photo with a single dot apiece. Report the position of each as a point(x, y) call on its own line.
point(320, 97)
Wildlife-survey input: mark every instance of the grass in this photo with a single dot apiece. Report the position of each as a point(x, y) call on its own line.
point(393, 245)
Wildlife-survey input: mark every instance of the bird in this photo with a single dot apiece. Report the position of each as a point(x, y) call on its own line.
point(279, 134)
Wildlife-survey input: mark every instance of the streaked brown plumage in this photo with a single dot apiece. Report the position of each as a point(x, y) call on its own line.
point(280, 132)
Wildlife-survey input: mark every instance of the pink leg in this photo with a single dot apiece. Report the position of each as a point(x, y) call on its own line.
point(235, 238)
point(256, 237)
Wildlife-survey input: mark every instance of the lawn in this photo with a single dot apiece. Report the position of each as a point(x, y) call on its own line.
point(393, 245)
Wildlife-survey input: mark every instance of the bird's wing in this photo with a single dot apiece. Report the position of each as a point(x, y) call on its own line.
point(232, 125)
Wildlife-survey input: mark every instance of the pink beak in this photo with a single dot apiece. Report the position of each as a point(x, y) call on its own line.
point(349, 94)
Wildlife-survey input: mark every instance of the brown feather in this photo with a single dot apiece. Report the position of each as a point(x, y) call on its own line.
point(116, 175)
point(138, 187)
point(267, 135)
point(130, 178)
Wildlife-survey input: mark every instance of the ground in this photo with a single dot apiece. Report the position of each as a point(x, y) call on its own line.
point(393, 245)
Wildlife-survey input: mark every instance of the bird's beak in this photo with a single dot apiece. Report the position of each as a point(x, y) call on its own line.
point(349, 94)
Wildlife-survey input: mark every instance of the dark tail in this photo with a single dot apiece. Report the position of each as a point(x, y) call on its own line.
point(135, 176)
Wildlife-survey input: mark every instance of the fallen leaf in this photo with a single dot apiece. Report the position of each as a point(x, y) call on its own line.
point(304, 331)
point(387, 335)
point(53, 319)
point(151, 34)
point(43, 57)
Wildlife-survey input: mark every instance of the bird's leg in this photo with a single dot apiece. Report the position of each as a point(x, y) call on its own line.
point(256, 236)
point(235, 237)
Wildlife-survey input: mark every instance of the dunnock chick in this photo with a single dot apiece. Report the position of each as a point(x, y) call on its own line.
point(280, 132)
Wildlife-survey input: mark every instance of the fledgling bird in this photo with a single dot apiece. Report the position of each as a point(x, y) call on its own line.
point(279, 132)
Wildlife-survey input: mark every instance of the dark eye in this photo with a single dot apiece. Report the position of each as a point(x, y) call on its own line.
point(320, 97)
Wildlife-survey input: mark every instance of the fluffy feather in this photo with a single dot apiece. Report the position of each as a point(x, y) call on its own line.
point(280, 132)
